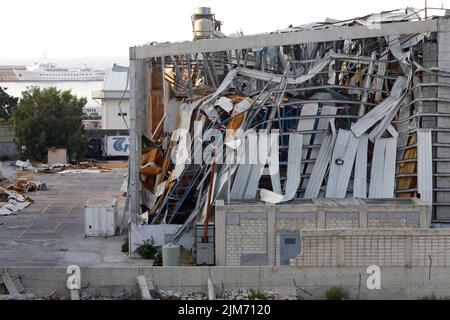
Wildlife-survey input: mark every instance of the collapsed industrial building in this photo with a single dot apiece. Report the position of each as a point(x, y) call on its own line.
point(326, 144)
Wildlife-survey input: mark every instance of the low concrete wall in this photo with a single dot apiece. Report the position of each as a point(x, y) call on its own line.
point(396, 282)
point(7, 146)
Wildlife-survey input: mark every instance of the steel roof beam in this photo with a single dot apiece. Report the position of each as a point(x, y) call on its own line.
point(282, 39)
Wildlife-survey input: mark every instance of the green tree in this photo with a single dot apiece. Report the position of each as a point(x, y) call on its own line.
point(7, 104)
point(49, 117)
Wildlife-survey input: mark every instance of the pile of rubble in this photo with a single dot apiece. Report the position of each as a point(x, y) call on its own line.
point(236, 294)
point(13, 196)
point(252, 294)
point(83, 167)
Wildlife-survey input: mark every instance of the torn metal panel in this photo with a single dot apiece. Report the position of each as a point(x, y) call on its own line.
point(244, 169)
point(360, 177)
point(373, 116)
point(321, 164)
point(274, 163)
point(294, 165)
point(397, 91)
point(170, 119)
point(322, 124)
point(379, 112)
point(293, 173)
point(425, 166)
point(341, 166)
point(308, 109)
point(182, 155)
point(258, 162)
point(12, 207)
point(292, 80)
point(224, 103)
point(379, 81)
point(382, 175)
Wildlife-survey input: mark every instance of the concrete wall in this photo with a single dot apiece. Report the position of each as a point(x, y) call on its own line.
point(110, 114)
point(8, 149)
point(248, 233)
point(7, 146)
point(159, 232)
point(396, 282)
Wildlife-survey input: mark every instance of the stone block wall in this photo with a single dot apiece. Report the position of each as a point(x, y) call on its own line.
point(382, 247)
point(249, 233)
point(247, 239)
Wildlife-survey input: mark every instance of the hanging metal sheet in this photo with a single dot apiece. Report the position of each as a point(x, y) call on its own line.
point(322, 124)
point(274, 162)
point(293, 173)
point(382, 175)
point(425, 166)
point(321, 163)
point(360, 177)
point(341, 166)
point(258, 160)
point(381, 110)
point(308, 109)
point(243, 171)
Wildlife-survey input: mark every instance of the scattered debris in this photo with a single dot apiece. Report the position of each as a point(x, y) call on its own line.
point(13, 194)
point(83, 167)
point(25, 185)
point(15, 289)
point(252, 294)
point(143, 288)
point(12, 202)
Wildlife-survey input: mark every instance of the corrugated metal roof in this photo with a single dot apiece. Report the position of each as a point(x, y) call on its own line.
point(115, 81)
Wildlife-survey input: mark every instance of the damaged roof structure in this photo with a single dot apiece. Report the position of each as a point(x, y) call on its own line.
point(339, 109)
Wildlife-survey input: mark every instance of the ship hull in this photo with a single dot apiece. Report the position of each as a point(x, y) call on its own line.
point(31, 76)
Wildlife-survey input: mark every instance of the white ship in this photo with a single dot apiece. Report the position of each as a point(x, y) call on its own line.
point(50, 72)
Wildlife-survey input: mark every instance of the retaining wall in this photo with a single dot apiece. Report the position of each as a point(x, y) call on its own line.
point(396, 282)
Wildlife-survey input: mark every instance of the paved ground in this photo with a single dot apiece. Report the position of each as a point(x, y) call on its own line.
point(50, 231)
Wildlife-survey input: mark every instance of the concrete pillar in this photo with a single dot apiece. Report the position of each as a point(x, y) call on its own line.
point(408, 251)
point(340, 252)
point(138, 99)
point(363, 217)
point(272, 235)
point(221, 235)
point(425, 217)
point(320, 218)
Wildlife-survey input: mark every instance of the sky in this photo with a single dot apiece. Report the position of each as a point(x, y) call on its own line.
point(101, 31)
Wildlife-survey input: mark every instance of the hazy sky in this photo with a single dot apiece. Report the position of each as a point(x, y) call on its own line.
point(104, 29)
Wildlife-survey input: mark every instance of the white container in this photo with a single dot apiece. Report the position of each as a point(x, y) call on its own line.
point(100, 217)
point(171, 255)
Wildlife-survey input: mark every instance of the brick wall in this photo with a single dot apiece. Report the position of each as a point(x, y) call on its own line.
point(382, 247)
point(250, 233)
point(246, 240)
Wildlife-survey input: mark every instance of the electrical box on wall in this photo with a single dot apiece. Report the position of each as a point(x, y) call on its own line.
point(205, 246)
point(100, 217)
